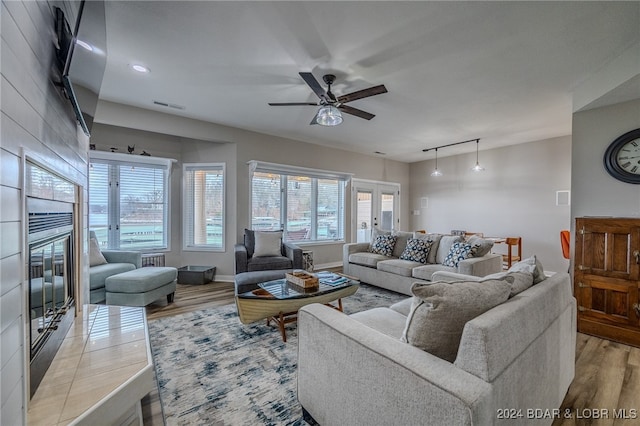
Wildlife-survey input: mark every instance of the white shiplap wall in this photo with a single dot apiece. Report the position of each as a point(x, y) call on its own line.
point(37, 121)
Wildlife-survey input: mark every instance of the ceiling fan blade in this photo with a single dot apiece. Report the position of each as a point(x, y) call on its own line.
point(291, 103)
point(355, 111)
point(314, 120)
point(313, 83)
point(365, 93)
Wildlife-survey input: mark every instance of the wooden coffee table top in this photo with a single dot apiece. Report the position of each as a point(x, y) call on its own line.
point(279, 296)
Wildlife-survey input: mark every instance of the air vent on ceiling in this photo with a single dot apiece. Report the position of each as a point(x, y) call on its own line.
point(168, 105)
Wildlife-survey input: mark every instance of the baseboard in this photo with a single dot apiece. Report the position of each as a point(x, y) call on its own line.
point(327, 266)
point(224, 278)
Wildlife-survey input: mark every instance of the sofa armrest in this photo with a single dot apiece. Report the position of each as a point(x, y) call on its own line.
point(350, 248)
point(349, 373)
point(123, 256)
point(294, 253)
point(240, 253)
point(481, 266)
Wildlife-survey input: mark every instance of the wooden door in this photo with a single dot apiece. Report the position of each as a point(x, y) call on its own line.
point(606, 278)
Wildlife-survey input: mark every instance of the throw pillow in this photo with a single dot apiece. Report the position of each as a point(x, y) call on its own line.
point(95, 255)
point(440, 310)
point(458, 252)
point(401, 242)
point(268, 244)
point(383, 245)
point(446, 241)
point(479, 246)
point(531, 264)
point(416, 250)
point(249, 241)
point(435, 243)
point(521, 280)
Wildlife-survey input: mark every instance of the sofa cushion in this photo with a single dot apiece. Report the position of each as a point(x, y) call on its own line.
point(440, 311)
point(479, 246)
point(458, 251)
point(521, 280)
point(445, 246)
point(401, 242)
point(531, 264)
point(95, 255)
point(435, 242)
point(417, 250)
point(367, 259)
point(268, 263)
point(400, 267)
point(384, 320)
point(99, 273)
point(383, 245)
point(424, 272)
point(403, 307)
point(141, 280)
point(268, 244)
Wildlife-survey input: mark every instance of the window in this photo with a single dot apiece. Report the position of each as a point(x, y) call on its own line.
point(128, 201)
point(307, 204)
point(203, 206)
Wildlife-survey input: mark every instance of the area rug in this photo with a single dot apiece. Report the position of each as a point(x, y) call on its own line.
point(213, 370)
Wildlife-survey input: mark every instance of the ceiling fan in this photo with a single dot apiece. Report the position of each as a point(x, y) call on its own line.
point(330, 105)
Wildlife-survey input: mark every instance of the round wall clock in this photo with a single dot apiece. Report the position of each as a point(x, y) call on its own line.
point(622, 157)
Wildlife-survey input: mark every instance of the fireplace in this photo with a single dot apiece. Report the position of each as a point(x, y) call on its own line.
point(51, 264)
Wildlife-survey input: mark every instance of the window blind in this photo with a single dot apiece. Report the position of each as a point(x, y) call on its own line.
point(203, 206)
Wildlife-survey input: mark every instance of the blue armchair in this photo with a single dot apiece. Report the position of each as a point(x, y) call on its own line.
point(117, 261)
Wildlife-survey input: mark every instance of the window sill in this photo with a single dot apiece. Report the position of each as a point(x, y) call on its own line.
point(317, 243)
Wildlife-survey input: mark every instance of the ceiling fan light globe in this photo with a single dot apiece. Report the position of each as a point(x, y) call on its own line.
point(329, 115)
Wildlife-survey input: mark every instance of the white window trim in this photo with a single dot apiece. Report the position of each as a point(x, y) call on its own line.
point(167, 163)
point(202, 248)
point(284, 169)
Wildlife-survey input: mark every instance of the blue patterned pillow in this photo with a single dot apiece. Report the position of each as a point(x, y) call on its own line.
point(416, 250)
point(458, 252)
point(383, 245)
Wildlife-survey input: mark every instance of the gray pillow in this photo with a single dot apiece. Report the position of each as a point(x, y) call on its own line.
point(521, 280)
point(531, 264)
point(435, 242)
point(401, 242)
point(268, 243)
point(440, 310)
point(479, 246)
point(95, 255)
point(445, 246)
point(249, 241)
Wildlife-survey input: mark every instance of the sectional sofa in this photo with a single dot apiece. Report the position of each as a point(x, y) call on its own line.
point(513, 365)
point(394, 273)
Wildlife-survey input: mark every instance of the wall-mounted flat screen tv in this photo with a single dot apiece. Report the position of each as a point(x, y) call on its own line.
point(82, 57)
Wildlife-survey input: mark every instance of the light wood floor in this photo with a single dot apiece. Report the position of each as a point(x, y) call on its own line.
point(607, 373)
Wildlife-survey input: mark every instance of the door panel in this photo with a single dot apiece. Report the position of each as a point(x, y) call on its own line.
point(374, 204)
point(606, 278)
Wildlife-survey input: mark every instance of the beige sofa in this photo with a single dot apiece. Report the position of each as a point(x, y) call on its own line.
point(398, 275)
point(514, 362)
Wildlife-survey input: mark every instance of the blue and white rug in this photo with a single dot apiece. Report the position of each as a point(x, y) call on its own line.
point(213, 370)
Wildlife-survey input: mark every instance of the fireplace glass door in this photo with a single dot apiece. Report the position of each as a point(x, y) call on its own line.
point(49, 274)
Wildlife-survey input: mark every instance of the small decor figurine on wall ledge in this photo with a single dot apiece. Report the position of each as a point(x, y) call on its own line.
point(145, 153)
point(131, 149)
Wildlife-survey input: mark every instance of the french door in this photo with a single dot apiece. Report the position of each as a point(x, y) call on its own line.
point(373, 204)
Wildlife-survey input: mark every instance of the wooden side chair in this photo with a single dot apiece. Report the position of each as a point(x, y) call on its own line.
point(510, 258)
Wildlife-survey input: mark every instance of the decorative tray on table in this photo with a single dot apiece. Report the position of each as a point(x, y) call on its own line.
point(302, 279)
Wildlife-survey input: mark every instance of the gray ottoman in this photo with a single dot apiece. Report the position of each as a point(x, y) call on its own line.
point(142, 286)
point(248, 281)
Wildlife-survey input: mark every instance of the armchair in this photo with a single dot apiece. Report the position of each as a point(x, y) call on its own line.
point(246, 260)
point(117, 261)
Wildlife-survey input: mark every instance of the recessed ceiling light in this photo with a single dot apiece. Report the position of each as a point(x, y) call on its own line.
point(85, 45)
point(140, 68)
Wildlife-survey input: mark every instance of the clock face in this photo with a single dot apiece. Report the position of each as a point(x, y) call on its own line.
point(622, 157)
point(628, 157)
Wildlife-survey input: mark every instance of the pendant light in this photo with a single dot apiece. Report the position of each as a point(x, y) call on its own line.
point(436, 172)
point(477, 167)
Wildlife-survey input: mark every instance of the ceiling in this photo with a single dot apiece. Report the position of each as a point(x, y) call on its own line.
point(501, 72)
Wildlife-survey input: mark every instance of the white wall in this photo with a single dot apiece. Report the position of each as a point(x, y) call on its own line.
point(595, 192)
point(514, 196)
point(36, 121)
point(129, 126)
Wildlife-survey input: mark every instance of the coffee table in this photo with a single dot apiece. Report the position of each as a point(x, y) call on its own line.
point(280, 300)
